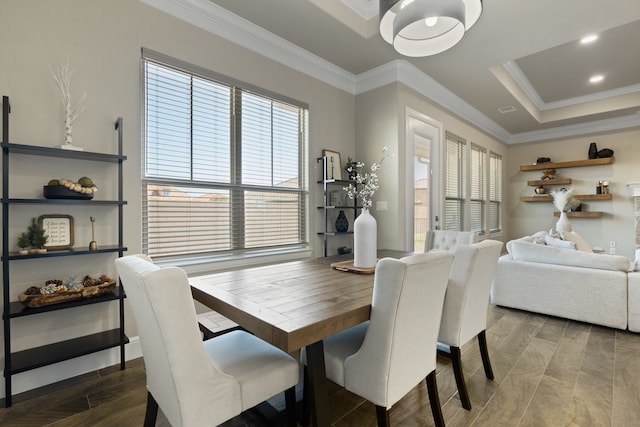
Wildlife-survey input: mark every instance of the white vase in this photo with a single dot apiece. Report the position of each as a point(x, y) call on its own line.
point(365, 236)
point(563, 225)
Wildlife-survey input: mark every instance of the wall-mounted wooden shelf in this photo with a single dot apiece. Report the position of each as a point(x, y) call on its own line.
point(581, 214)
point(557, 181)
point(572, 164)
point(548, 198)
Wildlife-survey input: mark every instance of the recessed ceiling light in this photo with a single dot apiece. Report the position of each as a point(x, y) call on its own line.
point(596, 79)
point(589, 39)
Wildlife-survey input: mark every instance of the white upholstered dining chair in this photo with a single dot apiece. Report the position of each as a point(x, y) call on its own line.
point(448, 240)
point(465, 306)
point(384, 358)
point(198, 383)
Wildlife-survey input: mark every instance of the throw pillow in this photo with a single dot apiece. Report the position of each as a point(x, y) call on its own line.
point(552, 241)
point(581, 243)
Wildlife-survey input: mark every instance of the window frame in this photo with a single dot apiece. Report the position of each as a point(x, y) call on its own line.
point(237, 248)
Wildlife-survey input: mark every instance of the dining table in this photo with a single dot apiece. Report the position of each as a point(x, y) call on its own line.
point(294, 305)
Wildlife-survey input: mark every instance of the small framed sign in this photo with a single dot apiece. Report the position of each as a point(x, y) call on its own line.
point(59, 228)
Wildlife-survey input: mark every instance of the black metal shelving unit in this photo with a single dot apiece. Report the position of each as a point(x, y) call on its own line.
point(39, 356)
point(328, 183)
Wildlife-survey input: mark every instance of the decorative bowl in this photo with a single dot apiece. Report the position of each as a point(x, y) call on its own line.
point(62, 192)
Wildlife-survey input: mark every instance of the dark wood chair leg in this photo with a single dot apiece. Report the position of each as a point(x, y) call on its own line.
point(484, 352)
point(456, 360)
point(383, 416)
point(305, 414)
point(151, 413)
point(290, 405)
point(434, 399)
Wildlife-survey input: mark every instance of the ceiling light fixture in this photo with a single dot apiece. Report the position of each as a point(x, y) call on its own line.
point(426, 27)
point(596, 79)
point(589, 39)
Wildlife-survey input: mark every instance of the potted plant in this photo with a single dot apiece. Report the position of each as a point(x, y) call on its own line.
point(352, 168)
point(37, 237)
point(23, 243)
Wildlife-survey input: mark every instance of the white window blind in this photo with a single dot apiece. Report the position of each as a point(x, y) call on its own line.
point(477, 199)
point(224, 166)
point(455, 182)
point(495, 192)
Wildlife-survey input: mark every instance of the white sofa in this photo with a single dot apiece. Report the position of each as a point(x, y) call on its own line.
point(569, 283)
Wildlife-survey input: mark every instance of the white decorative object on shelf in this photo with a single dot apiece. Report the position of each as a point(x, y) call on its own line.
point(564, 201)
point(365, 231)
point(62, 76)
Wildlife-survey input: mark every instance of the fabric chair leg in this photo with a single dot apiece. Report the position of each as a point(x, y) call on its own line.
point(457, 371)
point(290, 404)
point(383, 416)
point(151, 413)
point(482, 342)
point(434, 399)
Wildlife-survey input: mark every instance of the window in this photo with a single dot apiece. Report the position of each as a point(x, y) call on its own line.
point(473, 187)
point(455, 183)
point(224, 164)
point(477, 199)
point(495, 192)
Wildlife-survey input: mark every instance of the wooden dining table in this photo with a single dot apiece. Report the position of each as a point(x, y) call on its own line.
point(293, 305)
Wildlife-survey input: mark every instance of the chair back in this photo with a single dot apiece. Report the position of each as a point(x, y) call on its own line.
point(467, 299)
point(399, 348)
point(180, 375)
point(448, 240)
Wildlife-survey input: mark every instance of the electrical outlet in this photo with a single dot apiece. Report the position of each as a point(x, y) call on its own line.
point(612, 251)
point(612, 244)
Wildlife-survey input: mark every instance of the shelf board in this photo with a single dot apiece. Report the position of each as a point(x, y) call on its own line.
point(334, 233)
point(67, 252)
point(37, 357)
point(64, 202)
point(557, 181)
point(17, 309)
point(547, 198)
point(583, 214)
point(571, 164)
point(34, 150)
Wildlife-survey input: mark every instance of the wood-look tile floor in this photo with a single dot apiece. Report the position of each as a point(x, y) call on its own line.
point(548, 372)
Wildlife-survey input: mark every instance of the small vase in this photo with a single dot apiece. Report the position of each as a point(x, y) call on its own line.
point(342, 224)
point(593, 150)
point(364, 240)
point(563, 225)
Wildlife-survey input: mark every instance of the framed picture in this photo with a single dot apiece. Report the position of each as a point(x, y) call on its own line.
point(59, 228)
point(334, 166)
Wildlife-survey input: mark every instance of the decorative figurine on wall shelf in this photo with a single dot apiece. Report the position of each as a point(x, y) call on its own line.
point(62, 76)
point(93, 245)
point(549, 174)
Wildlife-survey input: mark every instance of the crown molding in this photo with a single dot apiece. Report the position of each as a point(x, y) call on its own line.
point(220, 22)
point(592, 127)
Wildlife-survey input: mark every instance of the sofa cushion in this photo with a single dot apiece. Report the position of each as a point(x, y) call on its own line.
point(525, 251)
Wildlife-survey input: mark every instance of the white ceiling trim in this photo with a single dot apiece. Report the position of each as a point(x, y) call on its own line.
point(402, 71)
point(521, 79)
point(595, 126)
point(219, 21)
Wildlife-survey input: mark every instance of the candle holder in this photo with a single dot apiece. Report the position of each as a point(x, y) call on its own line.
point(93, 245)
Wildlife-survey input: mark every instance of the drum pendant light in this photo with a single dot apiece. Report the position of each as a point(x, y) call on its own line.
point(426, 27)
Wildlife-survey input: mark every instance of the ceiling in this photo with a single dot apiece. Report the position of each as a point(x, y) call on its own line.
point(523, 56)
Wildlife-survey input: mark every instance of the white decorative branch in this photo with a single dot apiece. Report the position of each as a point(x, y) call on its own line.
point(62, 76)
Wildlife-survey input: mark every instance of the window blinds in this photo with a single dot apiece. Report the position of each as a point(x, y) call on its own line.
point(223, 166)
point(455, 182)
